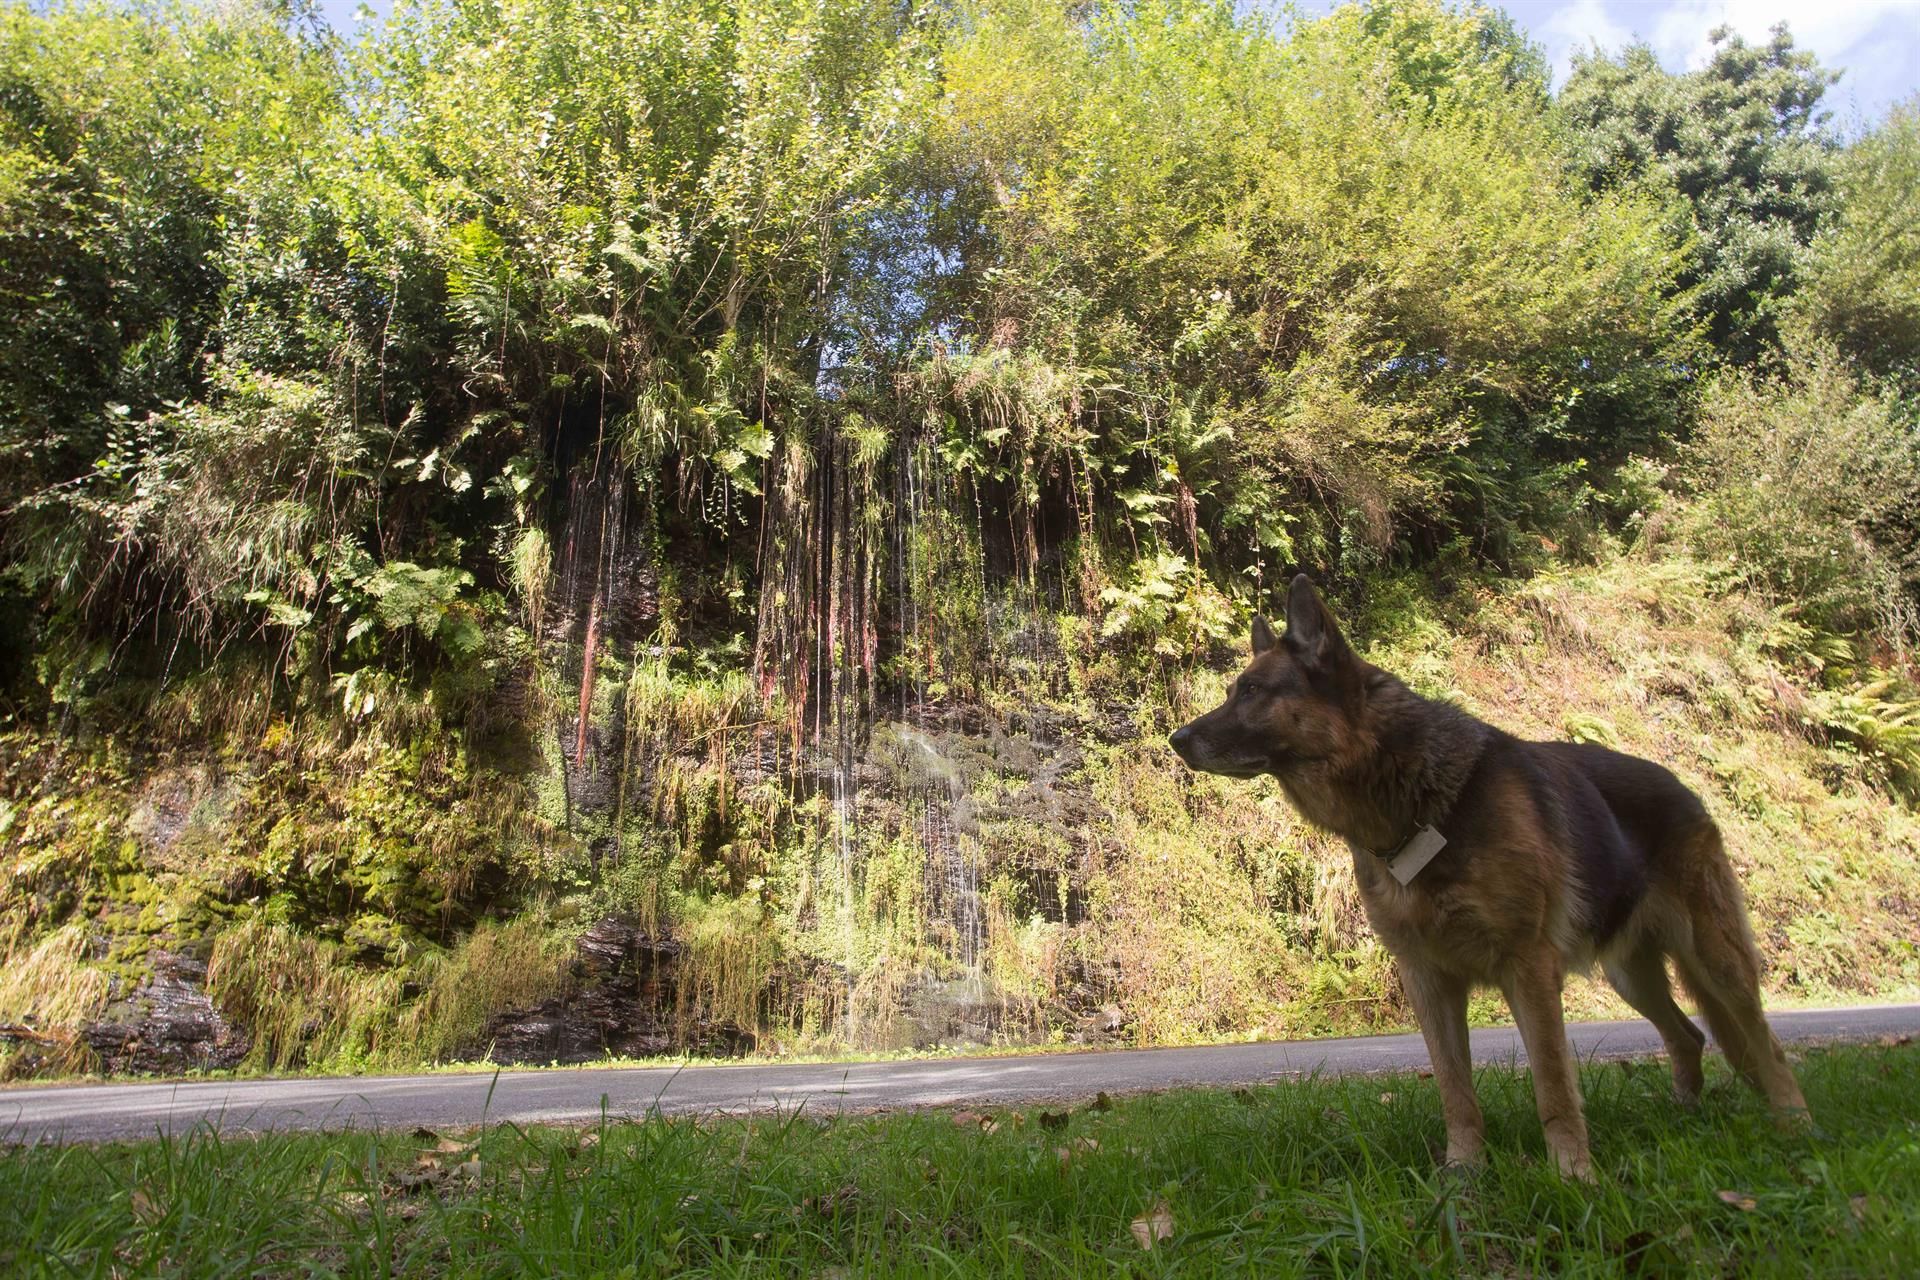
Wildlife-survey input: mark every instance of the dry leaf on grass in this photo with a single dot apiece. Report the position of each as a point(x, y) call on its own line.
point(1153, 1226)
point(1739, 1200)
point(1079, 1147)
point(1053, 1119)
point(831, 1204)
point(147, 1209)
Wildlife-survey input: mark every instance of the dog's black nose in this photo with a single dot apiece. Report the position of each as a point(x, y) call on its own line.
point(1180, 738)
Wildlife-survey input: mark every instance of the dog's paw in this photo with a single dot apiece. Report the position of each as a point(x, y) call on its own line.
point(1460, 1174)
point(1795, 1121)
point(1574, 1164)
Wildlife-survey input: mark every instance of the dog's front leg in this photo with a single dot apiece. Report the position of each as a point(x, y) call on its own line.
point(1532, 988)
point(1440, 1002)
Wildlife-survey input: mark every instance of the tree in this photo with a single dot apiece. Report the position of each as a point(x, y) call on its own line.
point(1742, 142)
point(1863, 280)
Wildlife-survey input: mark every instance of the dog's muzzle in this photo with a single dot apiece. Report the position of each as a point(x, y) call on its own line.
point(1181, 740)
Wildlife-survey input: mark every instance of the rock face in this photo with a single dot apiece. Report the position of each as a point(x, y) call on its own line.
point(167, 1025)
point(620, 1003)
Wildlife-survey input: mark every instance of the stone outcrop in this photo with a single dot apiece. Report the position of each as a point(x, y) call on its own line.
point(620, 1002)
point(166, 1025)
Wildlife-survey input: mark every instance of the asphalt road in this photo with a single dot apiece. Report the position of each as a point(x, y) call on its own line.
point(92, 1113)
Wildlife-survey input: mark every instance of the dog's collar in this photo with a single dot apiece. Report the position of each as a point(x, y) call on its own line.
point(1412, 855)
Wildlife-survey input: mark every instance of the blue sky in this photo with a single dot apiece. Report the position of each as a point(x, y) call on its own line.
point(1877, 42)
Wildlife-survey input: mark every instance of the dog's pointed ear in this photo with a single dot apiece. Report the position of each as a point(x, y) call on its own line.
point(1263, 637)
point(1311, 631)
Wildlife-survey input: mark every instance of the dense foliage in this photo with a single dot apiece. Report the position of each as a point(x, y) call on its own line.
point(558, 453)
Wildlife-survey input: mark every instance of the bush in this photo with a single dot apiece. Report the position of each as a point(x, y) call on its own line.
point(1809, 489)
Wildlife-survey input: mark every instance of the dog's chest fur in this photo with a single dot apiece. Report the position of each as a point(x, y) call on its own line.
point(1500, 880)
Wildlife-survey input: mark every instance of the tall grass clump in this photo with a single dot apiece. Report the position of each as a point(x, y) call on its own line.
point(306, 1004)
point(48, 991)
point(497, 967)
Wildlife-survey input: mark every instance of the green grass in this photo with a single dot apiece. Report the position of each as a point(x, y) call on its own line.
point(1320, 1178)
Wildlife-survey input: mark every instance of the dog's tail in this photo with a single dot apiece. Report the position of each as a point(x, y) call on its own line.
point(1721, 967)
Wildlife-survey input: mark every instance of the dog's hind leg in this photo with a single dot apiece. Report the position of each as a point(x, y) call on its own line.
point(1440, 1003)
point(1722, 970)
point(1532, 988)
point(1640, 976)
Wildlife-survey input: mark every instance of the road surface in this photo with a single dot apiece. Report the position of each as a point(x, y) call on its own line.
point(92, 1113)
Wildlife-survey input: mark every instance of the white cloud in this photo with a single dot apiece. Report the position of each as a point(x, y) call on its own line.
point(1679, 33)
point(1577, 28)
point(1877, 42)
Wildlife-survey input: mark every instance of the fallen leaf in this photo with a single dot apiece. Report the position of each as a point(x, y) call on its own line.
point(1739, 1200)
point(1153, 1226)
point(588, 1141)
point(1019, 1119)
point(1101, 1102)
point(414, 1179)
point(1895, 1042)
point(831, 1204)
point(1053, 1119)
point(962, 1119)
point(1079, 1146)
point(424, 1134)
point(1244, 1097)
point(146, 1208)
point(1861, 1206)
point(1645, 1254)
point(1386, 1099)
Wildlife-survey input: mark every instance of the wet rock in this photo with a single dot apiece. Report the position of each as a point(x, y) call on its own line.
point(180, 816)
point(968, 1012)
point(619, 1002)
point(167, 1025)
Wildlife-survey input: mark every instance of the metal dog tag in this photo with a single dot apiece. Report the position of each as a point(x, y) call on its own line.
point(1415, 854)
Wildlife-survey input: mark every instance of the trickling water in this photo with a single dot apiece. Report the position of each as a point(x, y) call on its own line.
point(946, 827)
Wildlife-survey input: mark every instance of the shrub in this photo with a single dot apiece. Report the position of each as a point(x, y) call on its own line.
point(1809, 489)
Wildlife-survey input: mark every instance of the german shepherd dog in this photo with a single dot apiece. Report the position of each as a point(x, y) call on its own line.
point(1484, 859)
